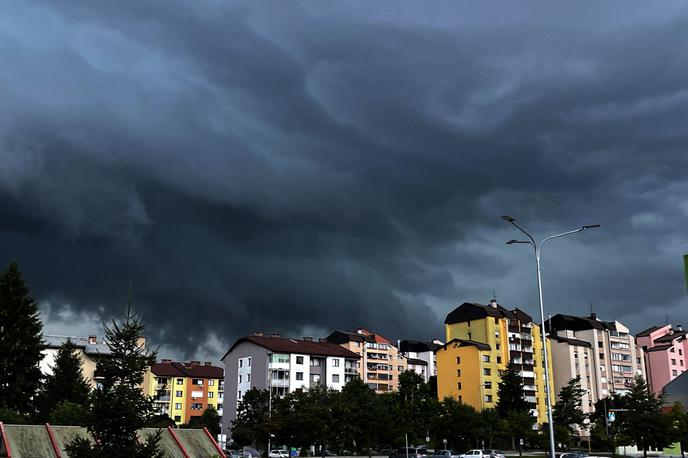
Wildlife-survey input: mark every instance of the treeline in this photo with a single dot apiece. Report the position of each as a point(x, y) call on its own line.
point(355, 420)
point(112, 412)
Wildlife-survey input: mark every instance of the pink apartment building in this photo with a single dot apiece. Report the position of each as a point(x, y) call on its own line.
point(665, 354)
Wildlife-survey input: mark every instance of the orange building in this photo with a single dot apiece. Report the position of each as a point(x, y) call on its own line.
point(381, 362)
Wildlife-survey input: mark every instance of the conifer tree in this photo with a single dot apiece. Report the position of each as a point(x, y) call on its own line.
point(65, 384)
point(568, 411)
point(21, 342)
point(511, 397)
point(118, 406)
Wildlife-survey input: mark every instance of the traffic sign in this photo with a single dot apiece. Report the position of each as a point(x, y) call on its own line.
point(611, 417)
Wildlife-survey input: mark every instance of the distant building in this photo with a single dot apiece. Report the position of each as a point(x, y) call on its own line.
point(665, 354)
point(420, 356)
point(88, 349)
point(610, 364)
point(283, 365)
point(185, 390)
point(499, 336)
point(381, 361)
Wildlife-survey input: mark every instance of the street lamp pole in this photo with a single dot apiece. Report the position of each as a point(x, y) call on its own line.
point(538, 249)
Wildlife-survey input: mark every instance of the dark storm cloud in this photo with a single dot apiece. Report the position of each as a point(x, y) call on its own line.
point(302, 167)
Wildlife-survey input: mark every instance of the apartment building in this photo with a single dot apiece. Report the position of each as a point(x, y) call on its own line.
point(468, 372)
point(613, 360)
point(664, 350)
point(88, 349)
point(381, 362)
point(506, 336)
point(420, 356)
point(575, 358)
point(282, 365)
point(185, 390)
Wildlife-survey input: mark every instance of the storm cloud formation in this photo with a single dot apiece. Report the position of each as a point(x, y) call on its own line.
point(306, 166)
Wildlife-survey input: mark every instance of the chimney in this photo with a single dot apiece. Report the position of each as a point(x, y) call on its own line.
point(593, 316)
point(274, 334)
point(322, 339)
point(166, 361)
point(258, 334)
point(92, 340)
point(679, 328)
point(208, 363)
point(493, 303)
point(308, 339)
point(195, 363)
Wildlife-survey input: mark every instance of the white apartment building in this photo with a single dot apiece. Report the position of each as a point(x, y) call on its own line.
point(420, 356)
point(282, 366)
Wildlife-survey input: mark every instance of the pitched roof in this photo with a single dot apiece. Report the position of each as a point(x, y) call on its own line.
point(417, 346)
point(55, 341)
point(474, 311)
point(417, 362)
point(467, 343)
point(647, 331)
point(577, 323)
point(300, 346)
point(361, 335)
point(176, 369)
point(576, 342)
point(672, 336)
point(659, 348)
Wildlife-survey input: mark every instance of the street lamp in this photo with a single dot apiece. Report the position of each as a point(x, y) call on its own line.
point(538, 248)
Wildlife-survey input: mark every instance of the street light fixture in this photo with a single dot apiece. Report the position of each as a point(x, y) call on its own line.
point(538, 248)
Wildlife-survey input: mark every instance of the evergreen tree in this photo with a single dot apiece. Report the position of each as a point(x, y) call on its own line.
point(66, 383)
point(568, 411)
point(209, 419)
point(417, 406)
point(118, 406)
point(644, 423)
point(69, 414)
point(21, 342)
point(510, 393)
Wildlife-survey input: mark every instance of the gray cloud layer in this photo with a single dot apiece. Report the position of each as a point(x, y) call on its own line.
point(311, 166)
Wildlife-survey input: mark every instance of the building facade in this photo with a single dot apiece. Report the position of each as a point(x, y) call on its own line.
point(614, 358)
point(574, 358)
point(185, 390)
point(420, 357)
point(381, 361)
point(283, 365)
point(665, 354)
point(467, 372)
point(511, 337)
point(89, 349)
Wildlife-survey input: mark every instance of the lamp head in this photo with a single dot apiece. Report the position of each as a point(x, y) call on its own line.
point(508, 218)
point(511, 242)
point(591, 226)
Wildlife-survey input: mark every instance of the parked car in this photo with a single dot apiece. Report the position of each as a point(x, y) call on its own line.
point(410, 452)
point(476, 453)
point(233, 453)
point(446, 454)
point(421, 452)
point(278, 454)
point(496, 454)
point(576, 454)
point(387, 452)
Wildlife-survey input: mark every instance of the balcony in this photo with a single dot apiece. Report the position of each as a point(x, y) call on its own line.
point(283, 382)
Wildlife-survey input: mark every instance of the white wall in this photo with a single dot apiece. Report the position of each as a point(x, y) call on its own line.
point(331, 370)
point(244, 373)
point(304, 368)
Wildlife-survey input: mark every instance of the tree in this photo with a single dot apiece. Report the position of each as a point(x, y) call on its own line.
point(11, 417)
point(209, 419)
point(644, 423)
point(253, 423)
point(512, 406)
point(456, 422)
point(161, 421)
point(568, 411)
point(356, 410)
point(66, 383)
point(118, 406)
point(21, 343)
point(417, 406)
point(69, 414)
point(679, 419)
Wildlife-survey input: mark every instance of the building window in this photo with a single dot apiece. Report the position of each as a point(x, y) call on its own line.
point(458, 360)
point(499, 360)
point(177, 418)
point(673, 362)
point(239, 378)
point(488, 385)
point(179, 394)
point(211, 382)
point(196, 406)
point(315, 378)
point(486, 371)
point(460, 399)
point(248, 377)
point(599, 345)
point(400, 368)
point(239, 395)
point(299, 376)
point(469, 336)
point(458, 372)
point(469, 323)
point(335, 378)
point(241, 363)
point(680, 352)
point(497, 346)
point(335, 362)
point(177, 405)
point(459, 385)
point(486, 358)
point(488, 398)
point(211, 394)
point(674, 373)
point(299, 360)
point(248, 361)
point(180, 381)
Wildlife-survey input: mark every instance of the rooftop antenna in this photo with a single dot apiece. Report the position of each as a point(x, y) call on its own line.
point(494, 295)
point(592, 310)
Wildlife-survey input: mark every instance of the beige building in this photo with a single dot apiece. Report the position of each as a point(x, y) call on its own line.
point(603, 353)
point(381, 362)
point(88, 349)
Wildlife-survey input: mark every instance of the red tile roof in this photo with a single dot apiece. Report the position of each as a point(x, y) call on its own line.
point(175, 369)
point(306, 347)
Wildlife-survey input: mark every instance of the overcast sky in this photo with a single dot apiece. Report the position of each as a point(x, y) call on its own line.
point(302, 167)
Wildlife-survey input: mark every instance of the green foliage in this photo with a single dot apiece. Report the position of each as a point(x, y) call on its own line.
point(65, 384)
point(417, 405)
point(253, 422)
point(357, 412)
point(511, 397)
point(12, 417)
point(118, 406)
point(209, 419)
point(69, 414)
point(568, 412)
point(21, 342)
point(159, 421)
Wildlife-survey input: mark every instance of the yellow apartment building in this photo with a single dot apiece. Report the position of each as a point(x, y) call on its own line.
point(185, 390)
point(381, 362)
point(507, 336)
